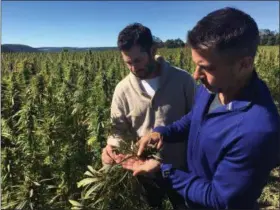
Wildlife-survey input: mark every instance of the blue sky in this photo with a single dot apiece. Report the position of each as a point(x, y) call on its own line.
point(97, 23)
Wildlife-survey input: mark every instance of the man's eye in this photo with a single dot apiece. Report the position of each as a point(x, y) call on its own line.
point(202, 67)
point(205, 68)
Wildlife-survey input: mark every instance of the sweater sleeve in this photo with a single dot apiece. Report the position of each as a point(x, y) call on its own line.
point(120, 128)
point(239, 177)
point(190, 92)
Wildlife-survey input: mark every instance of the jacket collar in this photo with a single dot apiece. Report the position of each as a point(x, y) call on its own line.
point(247, 95)
point(244, 100)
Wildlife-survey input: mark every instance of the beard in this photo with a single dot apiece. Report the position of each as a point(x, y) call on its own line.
point(149, 69)
point(141, 74)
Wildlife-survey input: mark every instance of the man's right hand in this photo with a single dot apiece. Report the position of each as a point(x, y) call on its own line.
point(152, 138)
point(108, 156)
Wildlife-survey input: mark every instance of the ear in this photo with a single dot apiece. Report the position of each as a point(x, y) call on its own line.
point(246, 63)
point(153, 50)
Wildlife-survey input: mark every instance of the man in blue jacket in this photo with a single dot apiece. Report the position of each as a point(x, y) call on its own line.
point(233, 128)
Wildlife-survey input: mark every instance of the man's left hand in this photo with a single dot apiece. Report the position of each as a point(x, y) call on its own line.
point(139, 166)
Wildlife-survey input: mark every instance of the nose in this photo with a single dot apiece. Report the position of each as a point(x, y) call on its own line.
point(197, 74)
point(132, 68)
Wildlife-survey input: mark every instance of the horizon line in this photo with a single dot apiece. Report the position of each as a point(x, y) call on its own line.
point(54, 46)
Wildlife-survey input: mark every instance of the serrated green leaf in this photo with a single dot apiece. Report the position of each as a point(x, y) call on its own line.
point(76, 208)
point(96, 202)
point(87, 181)
point(21, 205)
point(43, 180)
point(51, 187)
point(53, 199)
point(74, 111)
point(91, 140)
point(93, 188)
point(31, 193)
point(75, 203)
point(37, 184)
point(105, 168)
point(91, 169)
point(31, 206)
point(9, 205)
point(88, 173)
point(6, 135)
point(124, 176)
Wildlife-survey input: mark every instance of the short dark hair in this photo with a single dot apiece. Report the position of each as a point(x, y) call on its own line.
point(135, 34)
point(226, 30)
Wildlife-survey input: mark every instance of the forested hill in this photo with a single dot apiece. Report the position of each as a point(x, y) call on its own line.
point(26, 48)
point(17, 48)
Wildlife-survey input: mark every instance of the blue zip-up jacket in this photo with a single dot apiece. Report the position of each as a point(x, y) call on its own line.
point(231, 150)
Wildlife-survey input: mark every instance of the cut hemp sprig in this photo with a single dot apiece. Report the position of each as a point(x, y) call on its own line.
point(112, 187)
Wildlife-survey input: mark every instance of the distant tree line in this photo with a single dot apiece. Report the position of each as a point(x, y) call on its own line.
point(267, 37)
point(169, 43)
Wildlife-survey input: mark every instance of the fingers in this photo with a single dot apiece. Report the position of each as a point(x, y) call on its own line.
point(140, 168)
point(110, 151)
point(137, 172)
point(148, 166)
point(106, 159)
point(108, 156)
point(132, 163)
point(142, 146)
point(136, 167)
point(128, 164)
point(160, 143)
point(143, 142)
point(119, 158)
point(154, 138)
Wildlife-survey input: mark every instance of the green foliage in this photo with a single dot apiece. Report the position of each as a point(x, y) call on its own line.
point(55, 119)
point(111, 185)
point(268, 37)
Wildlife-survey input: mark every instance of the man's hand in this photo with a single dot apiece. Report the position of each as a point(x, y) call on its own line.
point(152, 138)
point(109, 156)
point(139, 166)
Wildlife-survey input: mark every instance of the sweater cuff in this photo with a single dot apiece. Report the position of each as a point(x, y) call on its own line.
point(113, 141)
